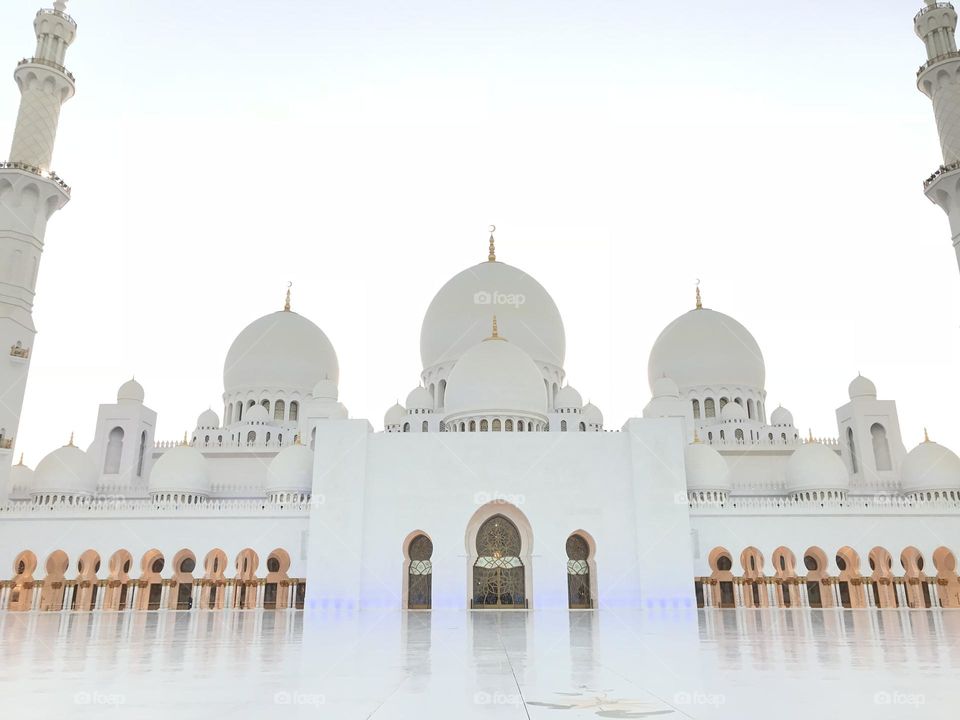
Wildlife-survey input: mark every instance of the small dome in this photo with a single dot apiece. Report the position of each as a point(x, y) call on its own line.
point(496, 376)
point(664, 387)
point(781, 417)
point(21, 481)
point(281, 350)
point(291, 470)
point(459, 315)
point(930, 466)
point(208, 420)
point(592, 415)
point(862, 387)
point(256, 414)
point(326, 389)
point(707, 348)
point(816, 467)
point(733, 411)
point(66, 471)
point(130, 392)
point(706, 468)
point(182, 469)
point(568, 399)
point(419, 399)
point(394, 415)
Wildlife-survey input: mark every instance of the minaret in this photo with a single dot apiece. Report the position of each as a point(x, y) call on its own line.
point(939, 80)
point(29, 194)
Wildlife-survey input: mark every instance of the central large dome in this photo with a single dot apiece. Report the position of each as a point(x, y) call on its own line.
point(459, 316)
point(280, 350)
point(707, 348)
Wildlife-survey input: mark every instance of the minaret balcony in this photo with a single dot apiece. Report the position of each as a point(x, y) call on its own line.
point(935, 6)
point(40, 61)
point(61, 14)
point(47, 174)
point(940, 172)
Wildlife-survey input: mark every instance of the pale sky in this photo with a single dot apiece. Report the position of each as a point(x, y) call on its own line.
point(360, 149)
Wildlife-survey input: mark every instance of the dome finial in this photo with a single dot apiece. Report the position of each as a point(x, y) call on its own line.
point(286, 305)
point(21, 459)
point(699, 297)
point(810, 435)
point(495, 335)
point(70, 444)
point(926, 436)
point(492, 256)
point(60, 6)
point(184, 443)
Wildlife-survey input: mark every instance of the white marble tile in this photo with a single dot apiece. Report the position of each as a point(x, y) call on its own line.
point(389, 665)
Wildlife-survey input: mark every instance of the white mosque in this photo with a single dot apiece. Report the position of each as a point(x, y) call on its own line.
point(494, 485)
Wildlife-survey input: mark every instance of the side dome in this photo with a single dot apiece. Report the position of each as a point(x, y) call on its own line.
point(21, 481)
point(707, 348)
point(419, 399)
point(592, 415)
point(280, 350)
point(706, 469)
point(814, 466)
point(781, 417)
point(130, 392)
point(326, 389)
point(862, 387)
point(394, 416)
point(494, 377)
point(65, 471)
point(733, 411)
point(208, 420)
point(458, 318)
point(930, 467)
point(291, 471)
point(256, 414)
point(182, 469)
point(568, 399)
point(664, 387)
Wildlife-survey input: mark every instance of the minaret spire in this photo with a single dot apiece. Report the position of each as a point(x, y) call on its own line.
point(936, 26)
point(31, 194)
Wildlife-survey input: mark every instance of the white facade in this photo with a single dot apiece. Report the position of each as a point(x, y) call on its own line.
point(494, 460)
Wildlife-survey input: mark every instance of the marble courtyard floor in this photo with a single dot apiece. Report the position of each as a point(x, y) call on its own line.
point(542, 665)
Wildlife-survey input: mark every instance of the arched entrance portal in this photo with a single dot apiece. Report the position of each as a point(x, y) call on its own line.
point(498, 572)
point(578, 573)
point(420, 574)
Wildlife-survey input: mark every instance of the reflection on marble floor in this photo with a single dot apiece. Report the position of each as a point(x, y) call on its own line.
point(484, 664)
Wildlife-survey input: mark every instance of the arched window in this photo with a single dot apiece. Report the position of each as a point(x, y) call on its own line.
point(578, 573)
point(498, 579)
point(739, 435)
point(313, 438)
point(463, 427)
point(239, 411)
point(420, 574)
point(508, 426)
point(583, 427)
point(722, 436)
point(266, 406)
point(251, 403)
point(279, 408)
point(519, 425)
point(473, 426)
point(111, 465)
point(852, 447)
point(497, 427)
point(406, 427)
point(739, 401)
point(294, 410)
point(423, 427)
point(484, 426)
point(710, 408)
point(563, 426)
point(751, 409)
point(143, 450)
point(696, 409)
point(251, 437)
point(723, 402)
point(441, 393)
point(881, 447)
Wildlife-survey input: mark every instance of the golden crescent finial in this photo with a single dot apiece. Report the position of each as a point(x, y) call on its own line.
point(926, 436)
point(492, 256)
point(699, 297)
point(70, 444)
point(495, 335)
point(286, 305)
